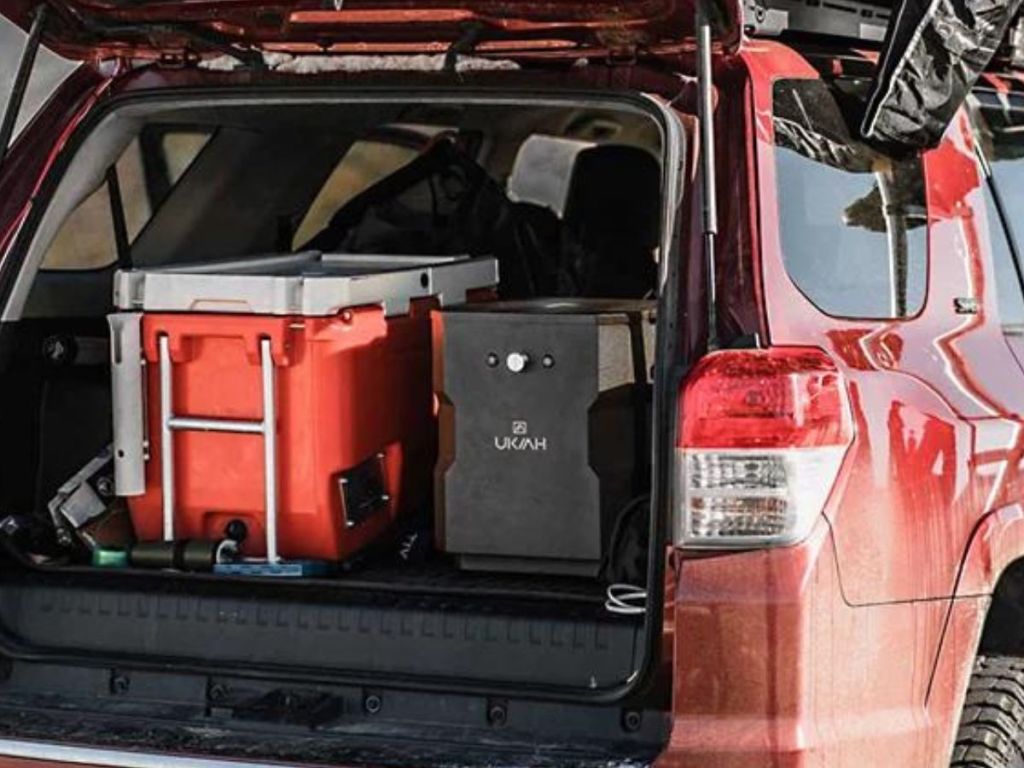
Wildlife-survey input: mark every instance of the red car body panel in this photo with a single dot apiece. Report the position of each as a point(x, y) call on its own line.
point(91, 29)
point(853, 648)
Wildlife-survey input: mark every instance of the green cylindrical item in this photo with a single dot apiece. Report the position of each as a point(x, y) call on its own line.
point(110, 558)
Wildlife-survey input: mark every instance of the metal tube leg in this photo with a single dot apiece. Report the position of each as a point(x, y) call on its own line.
point(166, 439)
point(269, 448)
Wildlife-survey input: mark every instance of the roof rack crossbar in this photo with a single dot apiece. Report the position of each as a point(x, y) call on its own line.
point(852, 19)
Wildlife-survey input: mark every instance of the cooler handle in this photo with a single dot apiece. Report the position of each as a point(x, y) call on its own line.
point(267, 427)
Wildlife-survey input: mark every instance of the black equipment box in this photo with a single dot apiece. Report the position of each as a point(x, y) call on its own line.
point(544, 426)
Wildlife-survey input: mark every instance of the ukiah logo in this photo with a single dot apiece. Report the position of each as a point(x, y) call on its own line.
point(520, 439)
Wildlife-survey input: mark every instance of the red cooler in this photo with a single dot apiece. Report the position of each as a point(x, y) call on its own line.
point(292, 394)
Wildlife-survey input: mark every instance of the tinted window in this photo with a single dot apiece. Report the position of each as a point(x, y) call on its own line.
point(853, 222)
point(1008, 285)
point(146, 173)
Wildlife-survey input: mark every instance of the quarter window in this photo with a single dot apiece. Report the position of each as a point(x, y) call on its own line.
point(146, 172)
point(1008, 284)
point(1001, 136)
point(853, 222)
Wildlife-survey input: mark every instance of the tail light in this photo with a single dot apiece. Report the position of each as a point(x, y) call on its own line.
point(762, 436)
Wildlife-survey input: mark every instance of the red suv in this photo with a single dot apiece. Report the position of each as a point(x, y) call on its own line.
point(805, 542)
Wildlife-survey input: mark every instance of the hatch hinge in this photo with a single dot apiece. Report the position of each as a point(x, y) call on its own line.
point(623, 55)
point(179, 59)
point(471, 36)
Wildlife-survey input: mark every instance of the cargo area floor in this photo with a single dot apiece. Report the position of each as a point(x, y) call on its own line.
point(426, 623)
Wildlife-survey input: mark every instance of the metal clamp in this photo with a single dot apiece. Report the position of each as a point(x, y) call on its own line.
point(170, 423)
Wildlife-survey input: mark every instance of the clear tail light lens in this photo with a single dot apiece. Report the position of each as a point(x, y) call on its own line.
point(762, 438)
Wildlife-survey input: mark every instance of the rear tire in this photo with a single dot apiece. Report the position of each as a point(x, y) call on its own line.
point(991, 731)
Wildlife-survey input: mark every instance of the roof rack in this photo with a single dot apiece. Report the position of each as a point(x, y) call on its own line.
point(855, 20)
point(852, 19)
point(1011, 54)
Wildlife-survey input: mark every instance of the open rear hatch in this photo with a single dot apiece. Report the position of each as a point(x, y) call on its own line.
point(87, 29)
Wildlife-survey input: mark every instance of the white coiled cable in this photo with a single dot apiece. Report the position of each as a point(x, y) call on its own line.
point(626, 600)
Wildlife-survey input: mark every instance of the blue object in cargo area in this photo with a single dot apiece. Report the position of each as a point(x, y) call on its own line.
point(286, 569)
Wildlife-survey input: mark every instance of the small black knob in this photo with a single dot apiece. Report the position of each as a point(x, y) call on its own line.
point(236, 530)
point(373, 704)
point(632, 720)
point(119, 684)
point(60, 350)
point(497, 713)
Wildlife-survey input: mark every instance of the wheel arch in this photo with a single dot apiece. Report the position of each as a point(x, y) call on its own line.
point(1002, 631)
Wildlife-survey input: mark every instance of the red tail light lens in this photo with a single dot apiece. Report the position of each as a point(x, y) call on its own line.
point(762, 437)
point(776, 398)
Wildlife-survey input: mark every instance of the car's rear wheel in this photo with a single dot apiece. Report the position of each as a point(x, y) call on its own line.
point(992, 725)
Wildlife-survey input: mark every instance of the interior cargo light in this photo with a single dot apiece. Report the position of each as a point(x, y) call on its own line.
point(762, 437)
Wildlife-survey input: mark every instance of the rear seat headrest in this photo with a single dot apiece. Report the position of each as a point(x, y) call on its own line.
point(615, 192)
point(543, 170)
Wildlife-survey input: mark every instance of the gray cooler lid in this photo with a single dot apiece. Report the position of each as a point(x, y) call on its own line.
point(310, 284)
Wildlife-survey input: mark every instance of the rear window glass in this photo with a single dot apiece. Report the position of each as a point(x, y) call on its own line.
point(853, 223)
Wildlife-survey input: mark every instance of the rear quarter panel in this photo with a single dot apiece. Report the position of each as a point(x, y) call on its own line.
point(851, 649)
point(937, 399)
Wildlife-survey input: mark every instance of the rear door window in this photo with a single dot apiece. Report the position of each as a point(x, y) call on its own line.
point(853, 222)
